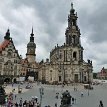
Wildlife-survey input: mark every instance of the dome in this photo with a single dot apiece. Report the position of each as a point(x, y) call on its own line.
point(31, 44)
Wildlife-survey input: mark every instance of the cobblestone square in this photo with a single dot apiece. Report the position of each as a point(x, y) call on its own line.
point(49, 97)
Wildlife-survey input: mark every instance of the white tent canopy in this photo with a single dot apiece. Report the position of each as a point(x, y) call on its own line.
point(31, 78)
point(21, 79)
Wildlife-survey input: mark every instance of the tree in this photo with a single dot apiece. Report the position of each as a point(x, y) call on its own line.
point(94, 75)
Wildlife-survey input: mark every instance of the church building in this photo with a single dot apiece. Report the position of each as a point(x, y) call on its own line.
point(66, 62)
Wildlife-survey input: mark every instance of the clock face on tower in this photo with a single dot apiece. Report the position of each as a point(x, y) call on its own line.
point(31, 51)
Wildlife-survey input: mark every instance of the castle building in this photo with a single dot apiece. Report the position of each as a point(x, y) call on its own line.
point(10, 65)
point(66, 62)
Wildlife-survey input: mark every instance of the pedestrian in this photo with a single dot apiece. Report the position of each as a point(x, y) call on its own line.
point(38, 105)
point(57, 95)
point(82, 94)
point(74, 88)
point(55, 104)
point(20, 100)
point(15, 97)
point(75, 100)
point(12, 84)
point(72, 100)
point(25, 103)
point(20, 103)
point(16, 104)
point(101, 104)
point(6, 101)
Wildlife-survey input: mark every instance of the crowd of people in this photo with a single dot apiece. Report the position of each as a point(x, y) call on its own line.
point(31, 103)
point(11, 101)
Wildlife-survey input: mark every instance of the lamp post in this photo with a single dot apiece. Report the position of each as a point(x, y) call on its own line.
point(88, 81)
point(41, 90)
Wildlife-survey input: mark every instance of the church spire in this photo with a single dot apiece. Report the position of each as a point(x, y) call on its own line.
point(7, 35)
point(32, 36)
point(71, 5)
point(32, 32)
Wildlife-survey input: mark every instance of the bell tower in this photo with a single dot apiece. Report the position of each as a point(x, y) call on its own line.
point(72, 32)
point(73, 35)
point(31, 47)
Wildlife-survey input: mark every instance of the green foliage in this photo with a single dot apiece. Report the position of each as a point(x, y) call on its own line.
point(94, 75)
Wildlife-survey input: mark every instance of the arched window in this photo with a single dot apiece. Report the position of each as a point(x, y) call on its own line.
point(50, 75)
point(9, 53)
point(75, 55)
point(74, 22)
point(74, 39)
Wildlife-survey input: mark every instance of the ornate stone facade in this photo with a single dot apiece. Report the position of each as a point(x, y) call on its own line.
point(10, 61)
point(12, 65)
point(66, 61)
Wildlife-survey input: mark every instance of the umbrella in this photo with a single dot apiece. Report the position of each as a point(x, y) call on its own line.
point(35, 97)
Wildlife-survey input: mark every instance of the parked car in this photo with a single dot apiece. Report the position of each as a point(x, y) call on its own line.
point(21, 82)
point(28, 87)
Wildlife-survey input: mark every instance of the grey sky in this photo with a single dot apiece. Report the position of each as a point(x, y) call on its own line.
point(49, 20)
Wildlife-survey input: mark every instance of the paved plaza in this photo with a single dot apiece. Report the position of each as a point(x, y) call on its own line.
point(99, 93)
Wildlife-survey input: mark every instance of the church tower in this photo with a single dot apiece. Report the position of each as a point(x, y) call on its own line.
point(31, 47)
point(73, 35)
point(72, 31)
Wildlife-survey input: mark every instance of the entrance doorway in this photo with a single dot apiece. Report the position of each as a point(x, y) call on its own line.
point(14, 80)
point(60, 79)
point(76, 77)
point(7, 80)
point(85, 79)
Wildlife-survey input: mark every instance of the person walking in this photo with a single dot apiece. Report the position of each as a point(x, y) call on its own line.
point(16, 104)
point(21, 102)
point(81, 94)
point(101, 104)
point(15, 96)
point(57, 94)
point(55, 104)
point(75, 100)
point(72, 100)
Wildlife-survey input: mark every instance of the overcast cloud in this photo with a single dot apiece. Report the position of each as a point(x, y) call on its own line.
point(49, 20)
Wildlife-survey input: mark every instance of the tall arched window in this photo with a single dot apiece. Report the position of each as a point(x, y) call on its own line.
point(74, 22)
point(75, 55)
point(50, 75)
point(74, 39)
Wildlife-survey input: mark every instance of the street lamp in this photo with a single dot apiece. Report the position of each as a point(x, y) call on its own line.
point(88, 81)
point(41, 90)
